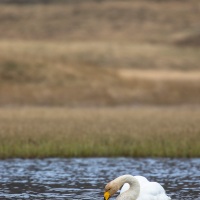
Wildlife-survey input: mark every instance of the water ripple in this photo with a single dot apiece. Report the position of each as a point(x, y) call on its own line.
point(83, 179)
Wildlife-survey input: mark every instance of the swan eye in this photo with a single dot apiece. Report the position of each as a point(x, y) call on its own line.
point(107, 189)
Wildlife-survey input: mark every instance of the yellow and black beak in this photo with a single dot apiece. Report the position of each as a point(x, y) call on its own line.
point(106, 195)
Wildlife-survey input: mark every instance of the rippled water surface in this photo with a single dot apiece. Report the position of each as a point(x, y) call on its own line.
point(86, 178)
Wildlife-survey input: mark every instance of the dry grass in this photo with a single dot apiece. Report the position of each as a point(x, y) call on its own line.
point(79, 53)
point(132, 21)
point(137, 131)
point(100, 53)
point(97, 73)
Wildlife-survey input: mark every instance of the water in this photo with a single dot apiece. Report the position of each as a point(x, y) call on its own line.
point(85, 178)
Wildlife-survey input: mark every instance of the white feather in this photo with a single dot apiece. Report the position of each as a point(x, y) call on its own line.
point(148, 190)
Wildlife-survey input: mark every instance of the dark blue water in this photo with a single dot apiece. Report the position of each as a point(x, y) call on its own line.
point(85, 178)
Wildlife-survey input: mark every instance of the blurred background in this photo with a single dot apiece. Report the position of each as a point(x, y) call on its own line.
point(99, 52)
point(78, 77)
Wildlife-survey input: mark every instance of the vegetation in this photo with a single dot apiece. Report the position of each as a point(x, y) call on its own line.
point(63, 132)
point(78, 74)
point(72, 73)
point(137, 53)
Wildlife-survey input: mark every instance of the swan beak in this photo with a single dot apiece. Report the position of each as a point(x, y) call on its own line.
point(106, 195)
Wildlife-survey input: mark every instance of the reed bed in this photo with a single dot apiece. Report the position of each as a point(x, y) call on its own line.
point(31, 132)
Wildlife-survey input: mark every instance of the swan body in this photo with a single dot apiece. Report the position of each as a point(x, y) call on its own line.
point(135, 188)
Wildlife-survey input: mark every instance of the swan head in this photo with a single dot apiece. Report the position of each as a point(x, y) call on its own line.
point(110, 189)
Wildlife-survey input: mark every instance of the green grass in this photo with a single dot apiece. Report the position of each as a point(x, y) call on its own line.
point(136, 132)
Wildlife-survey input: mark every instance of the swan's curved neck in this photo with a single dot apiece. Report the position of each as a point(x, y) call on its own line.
point(134, 189)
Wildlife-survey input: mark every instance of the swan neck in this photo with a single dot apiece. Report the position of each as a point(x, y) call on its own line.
point(134, 189)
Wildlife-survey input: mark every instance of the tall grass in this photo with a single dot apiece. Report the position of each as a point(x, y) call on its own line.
point(62, 132)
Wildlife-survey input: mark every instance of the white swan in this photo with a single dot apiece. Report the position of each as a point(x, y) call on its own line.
point(135, 188)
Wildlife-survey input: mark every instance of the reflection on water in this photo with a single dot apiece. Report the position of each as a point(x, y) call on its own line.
point(86, 178)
